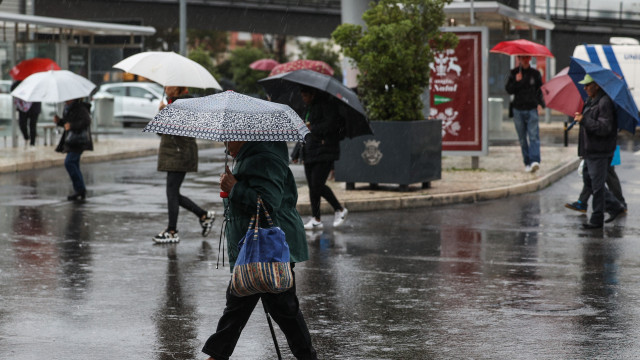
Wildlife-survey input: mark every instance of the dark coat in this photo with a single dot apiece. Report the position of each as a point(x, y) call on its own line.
point(262, 168)
point(324, 142)
point(598, 128)
point(78, 115)
point(177, 153)
point(527, 92)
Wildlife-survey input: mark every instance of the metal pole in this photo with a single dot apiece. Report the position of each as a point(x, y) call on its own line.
point(532, 10)
point(472, 16)
point(14, 128)
point(547, 41)
point(183, 27)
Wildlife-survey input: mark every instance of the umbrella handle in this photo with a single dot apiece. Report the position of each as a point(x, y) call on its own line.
point(224, 194)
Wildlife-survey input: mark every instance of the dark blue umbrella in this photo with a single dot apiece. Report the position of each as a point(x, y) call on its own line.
point(615, 87)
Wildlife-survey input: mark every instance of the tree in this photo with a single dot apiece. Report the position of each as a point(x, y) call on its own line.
point(393, 54)
point(322, 51)
point(245, 78)
point(202, 57)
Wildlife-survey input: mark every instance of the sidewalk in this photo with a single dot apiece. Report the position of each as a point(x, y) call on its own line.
point(500, 173)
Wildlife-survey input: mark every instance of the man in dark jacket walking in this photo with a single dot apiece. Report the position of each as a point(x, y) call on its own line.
point(524, 84)
point(596, 145)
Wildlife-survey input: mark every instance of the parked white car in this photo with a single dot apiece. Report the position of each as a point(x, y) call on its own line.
point(6, 101)
point(134, 102)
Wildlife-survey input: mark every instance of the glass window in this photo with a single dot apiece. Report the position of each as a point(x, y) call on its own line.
point(117, 90)
point(139, 92)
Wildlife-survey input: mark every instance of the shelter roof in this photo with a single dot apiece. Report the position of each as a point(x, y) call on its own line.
point(80, 27)
point(495, 16)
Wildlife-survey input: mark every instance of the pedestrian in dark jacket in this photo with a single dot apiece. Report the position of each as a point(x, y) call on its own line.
point(28, 113)
point(596, 145)
point(262, 168)
point(76, 118)
point(524, 84)
point(177, 156)
point(320, 150)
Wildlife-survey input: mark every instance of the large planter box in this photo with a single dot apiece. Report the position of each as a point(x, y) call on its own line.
point(399, 152)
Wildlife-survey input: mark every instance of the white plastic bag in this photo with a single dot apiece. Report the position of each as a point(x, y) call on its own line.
point(580, 168)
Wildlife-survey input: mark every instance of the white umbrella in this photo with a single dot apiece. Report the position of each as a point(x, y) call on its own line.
point(53, 86)
point(169, 69)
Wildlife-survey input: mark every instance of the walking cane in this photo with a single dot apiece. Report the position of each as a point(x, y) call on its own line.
point(273, 333)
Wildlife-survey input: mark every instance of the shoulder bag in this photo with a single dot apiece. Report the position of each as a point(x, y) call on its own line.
point(77, 138)
point(263, 264)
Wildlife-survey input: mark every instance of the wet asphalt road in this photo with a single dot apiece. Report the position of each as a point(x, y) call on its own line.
point(509, 279)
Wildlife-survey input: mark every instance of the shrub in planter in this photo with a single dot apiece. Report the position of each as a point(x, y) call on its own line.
point(393, 55)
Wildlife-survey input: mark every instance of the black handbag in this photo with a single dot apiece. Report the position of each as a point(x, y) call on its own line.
point(77, 139)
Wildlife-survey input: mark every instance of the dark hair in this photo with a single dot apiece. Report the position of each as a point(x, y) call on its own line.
point(307, 89)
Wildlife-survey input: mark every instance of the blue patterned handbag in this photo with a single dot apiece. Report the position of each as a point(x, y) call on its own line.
point(263, 261)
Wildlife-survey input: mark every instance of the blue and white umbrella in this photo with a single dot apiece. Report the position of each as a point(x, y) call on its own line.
point(229, 116)
point(616, 88)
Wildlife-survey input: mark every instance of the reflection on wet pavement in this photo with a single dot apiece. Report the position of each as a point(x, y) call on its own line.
point(510, 279)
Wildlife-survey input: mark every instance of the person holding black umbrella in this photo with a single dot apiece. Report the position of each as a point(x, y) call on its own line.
point(319, 152)
point(596, 145)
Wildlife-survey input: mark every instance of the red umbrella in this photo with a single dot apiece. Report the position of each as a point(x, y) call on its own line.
point(560, 93)
point(521, 47)
point(32, 66)
point(315, 65)
point(264, 64)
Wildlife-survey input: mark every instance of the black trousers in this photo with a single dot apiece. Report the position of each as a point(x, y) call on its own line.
point(283, 308)
point(613, 183)
point(317, 174)
point(594, 175)
point(28, 122)
point(175, 200)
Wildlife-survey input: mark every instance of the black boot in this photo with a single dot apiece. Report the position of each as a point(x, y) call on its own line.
point(77, 196)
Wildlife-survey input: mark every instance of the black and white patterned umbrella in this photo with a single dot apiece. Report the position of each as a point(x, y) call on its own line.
point(229, 116)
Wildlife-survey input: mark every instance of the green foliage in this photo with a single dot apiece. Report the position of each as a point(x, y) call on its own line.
point(202, 57)
point(393, 54)
point(245, 78)
point(212, 41)
point(322, 51)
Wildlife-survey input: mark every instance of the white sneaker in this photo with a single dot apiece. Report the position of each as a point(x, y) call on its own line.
point(535, 166)
point(340, 217)
point(527, 168)
point(207, 222)
point(166, 237)
point(313, 224)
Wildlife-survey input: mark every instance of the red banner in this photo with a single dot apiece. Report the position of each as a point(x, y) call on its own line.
point(456, 94)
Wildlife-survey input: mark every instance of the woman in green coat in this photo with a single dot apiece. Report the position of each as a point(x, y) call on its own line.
point(262, 168)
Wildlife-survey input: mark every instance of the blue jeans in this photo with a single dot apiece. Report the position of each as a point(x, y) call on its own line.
point(526, 122)
point(72, 164)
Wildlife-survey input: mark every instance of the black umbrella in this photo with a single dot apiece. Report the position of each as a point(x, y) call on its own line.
point(285, 89)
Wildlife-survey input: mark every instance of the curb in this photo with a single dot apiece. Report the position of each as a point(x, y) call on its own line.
point(418, 201)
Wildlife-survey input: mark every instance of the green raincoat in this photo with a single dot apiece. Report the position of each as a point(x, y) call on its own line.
point(262, 168)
